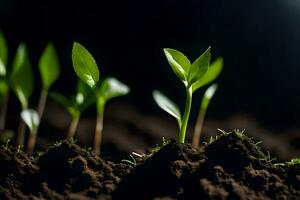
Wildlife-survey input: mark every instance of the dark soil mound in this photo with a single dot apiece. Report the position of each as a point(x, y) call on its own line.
point(229, 167)
point(67, 171)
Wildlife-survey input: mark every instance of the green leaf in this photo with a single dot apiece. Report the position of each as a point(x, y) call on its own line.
point(179, 62)
point(199, 67)
point(49, 66)
point(3, 90)
point(84, 65)
point(208, 95)
point(3, 55)
point(111, 88)
point(167, 105)
point(69, 105)
point(85, 96)
point(31, 119)
point(212, 73)
point(21, 78)
point(60, 99)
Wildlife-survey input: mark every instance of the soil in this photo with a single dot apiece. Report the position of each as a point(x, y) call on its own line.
point(232, 166)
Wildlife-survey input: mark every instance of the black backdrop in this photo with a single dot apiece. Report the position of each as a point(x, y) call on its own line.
point(259, 40)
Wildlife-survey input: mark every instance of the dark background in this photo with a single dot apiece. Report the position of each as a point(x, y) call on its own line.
point(259, 40)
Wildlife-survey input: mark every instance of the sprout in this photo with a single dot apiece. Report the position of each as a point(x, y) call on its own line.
point(4, 88)
point(21, 82)
point(87, 70)
point(76, 104)
point(32, 120)
point(194, 76)
point(209, 93)
point(212, 73)
point(49, 69)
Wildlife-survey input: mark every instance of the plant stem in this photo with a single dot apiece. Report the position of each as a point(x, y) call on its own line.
point(186, 115)
point(31, 143)
point(73, 126)
point(21, 134)
point(198, 128)
point(99, 126)
point(42, 102)
point(3, 111)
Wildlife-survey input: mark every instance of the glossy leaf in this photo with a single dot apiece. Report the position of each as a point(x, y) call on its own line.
point(21, 78)
point(31, 119)
point(179, 62)
point(84, 65)
point(111, 88)
point(208, 95)
point(167, 105)
point(212, 73)
point(199, 67)
point(49, 66)
point(3, 55)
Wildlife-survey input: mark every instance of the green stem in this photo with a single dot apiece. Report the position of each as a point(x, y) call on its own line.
point(99, 125)
point(31, 142)
point(73, 126)
point(21, 130)
point(198, 128)
point(42, 102)
point(186, 115)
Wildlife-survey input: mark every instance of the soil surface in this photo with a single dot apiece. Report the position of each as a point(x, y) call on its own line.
point(230, 166)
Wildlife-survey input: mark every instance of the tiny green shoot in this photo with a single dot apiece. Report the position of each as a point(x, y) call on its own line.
point(213, 72)
point(49, 70)
point(209, 93)
point(32, 120)
point(21, 82)
point(75, 105)
point(193, 77)
point(3, 55)
point(87, 70)
point(4, 88)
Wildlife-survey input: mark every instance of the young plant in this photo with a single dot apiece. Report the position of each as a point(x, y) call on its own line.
point(4, 88)
point(87, 70)
point(32, 120)
point(49, 69)
point(209, 93)
point(75, 105)
point(21, 82)
point(193, 75)
point(212, 73)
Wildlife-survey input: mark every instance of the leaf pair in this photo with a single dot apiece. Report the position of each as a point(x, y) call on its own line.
point(87, 70)
point(78, 103)
point(197, 74)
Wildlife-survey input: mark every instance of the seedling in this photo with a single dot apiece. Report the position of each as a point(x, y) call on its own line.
point(49, 69)
point(209, 93)
point(21, 82)
point(75, 105)
point(4, 88)
point(32, 120)
point(194, 76)
point(87, 70)
point(213, 72)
